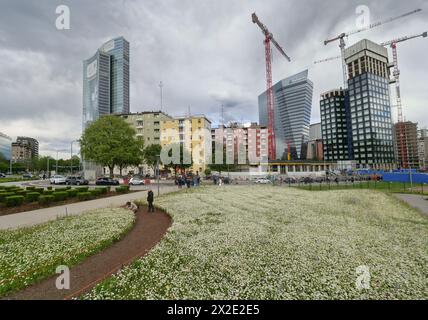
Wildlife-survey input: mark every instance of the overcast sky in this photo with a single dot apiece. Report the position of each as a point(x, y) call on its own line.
point(207, 53)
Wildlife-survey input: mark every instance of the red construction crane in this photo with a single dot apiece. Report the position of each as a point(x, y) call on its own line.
point(402, 138)
point(269, 92)
point(342, 44)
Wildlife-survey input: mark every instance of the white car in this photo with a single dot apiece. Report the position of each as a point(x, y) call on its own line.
point(263, 181)
point(136, 181)
point(57, 179)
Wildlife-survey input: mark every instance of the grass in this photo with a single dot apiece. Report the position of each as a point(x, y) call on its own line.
point(393, 187)
point(29, 255)
point(264, 242)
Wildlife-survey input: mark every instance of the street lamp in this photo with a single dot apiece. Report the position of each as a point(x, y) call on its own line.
point(157, 170)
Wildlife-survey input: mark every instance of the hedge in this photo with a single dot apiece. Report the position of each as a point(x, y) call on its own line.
point(39, 190)
point(14, 201)
point(82, 196)
point(50, 188)
point(32, 196)
point(60, 195)
point(122, 189)
point(48, 192)
point(83, 189)
point(30, 188)
point(46, 199)
point(95, 192)
point(72, 193)
point(103, 190)
point(3, 195)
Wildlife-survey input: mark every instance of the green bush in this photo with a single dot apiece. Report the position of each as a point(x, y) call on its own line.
point(103, 190)
point(3, 195)
point(50, 188)
point(60, 195)
point(46, 199)
point(83, 189)
point(39, 190)
point(72, 193)
point(21, 192)
point(32, 197)
point(14, 201)
point(48, 192)
point(95, 192)
point(30, 188)
point(68, 187)
point(122, 189)
point(83, 196)
point(8, 188)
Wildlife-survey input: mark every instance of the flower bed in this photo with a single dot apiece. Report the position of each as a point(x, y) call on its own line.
point(30, 254)
point(263, 242)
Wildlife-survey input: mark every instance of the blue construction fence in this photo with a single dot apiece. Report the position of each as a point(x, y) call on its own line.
point(398, 175)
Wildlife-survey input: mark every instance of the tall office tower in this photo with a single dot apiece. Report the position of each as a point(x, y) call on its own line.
point(370, 108)
point(106, 81)
point(408, 150)
point(5, 146)
point(292, 111)
point(335, 126)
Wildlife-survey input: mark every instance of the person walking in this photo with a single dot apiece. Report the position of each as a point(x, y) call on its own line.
point(150, 199)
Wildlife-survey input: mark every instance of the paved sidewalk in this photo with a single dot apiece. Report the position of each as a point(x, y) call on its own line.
point(416, 201)
point(30, 218)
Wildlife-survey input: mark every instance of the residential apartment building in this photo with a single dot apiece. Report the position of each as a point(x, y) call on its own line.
point(370, 108)
point(334, 106)
point(193, 133)
point(423, 153)
point(407, 144)
point(25, 149)
point(292, 114)
point(5, 146)
point(147, 125)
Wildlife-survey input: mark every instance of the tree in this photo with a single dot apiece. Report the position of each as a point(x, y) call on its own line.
point(151, 154)
point(184, 154)
point(110, 142)
point(219, 167)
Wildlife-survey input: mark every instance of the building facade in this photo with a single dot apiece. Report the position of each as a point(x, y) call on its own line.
point(334, 107)
point(407, 144)
point(147, 125)
point(370, 108)
point(292, 114)
point(5, 146)
point(423, 153)
point(106, 81)
point(24, 149)
point(193, 134)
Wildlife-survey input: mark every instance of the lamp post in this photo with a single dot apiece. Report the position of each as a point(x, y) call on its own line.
point(157, 171)
point(56, 167)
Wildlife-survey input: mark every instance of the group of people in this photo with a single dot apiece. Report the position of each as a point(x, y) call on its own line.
point(150, 199)
point(188, 181)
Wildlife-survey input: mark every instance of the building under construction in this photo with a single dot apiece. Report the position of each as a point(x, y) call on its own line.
point(406, 138)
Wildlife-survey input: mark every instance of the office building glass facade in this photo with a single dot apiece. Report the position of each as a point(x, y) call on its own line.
point(5, 146)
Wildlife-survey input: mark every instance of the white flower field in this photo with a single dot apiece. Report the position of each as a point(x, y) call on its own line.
point(28, 255)
point(263, 242)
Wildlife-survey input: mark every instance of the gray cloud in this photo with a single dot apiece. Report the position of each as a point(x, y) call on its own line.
point(207, 53)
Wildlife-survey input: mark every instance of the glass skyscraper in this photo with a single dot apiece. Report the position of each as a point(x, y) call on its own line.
point(292, 112)
point(106, 81)
point(5, 146)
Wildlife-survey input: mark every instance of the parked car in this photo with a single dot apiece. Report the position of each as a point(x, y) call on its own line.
point(57, 179)
point(27, 176)
point(107, 182)
point(76, 181)
point(2, 175)
point(136, 181)
point(263, 181)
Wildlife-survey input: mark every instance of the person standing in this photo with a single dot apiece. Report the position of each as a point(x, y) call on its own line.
point(150, 199)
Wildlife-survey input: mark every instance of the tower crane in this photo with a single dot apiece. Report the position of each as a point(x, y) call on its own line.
point(269, 92)
point(402, 139)
point(341, 37)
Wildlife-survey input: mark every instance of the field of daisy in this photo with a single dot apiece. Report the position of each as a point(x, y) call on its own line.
point(264, 242)
point(30, 254)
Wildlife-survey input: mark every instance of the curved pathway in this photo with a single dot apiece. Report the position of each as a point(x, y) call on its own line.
point(148, 230)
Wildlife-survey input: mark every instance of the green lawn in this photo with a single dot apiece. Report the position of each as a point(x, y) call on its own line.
point(31, 254)
point(264, 242)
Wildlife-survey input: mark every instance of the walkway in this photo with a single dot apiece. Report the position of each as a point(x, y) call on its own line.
point(415, 201)
point(30, 218)
point(148, 230)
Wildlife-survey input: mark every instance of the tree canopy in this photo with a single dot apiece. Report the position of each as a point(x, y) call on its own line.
point(110, 142)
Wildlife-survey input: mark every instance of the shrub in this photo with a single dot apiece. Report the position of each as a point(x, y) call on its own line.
point(3, 195)
point(72, 193)
point(14, 201)
point(60, 195)
point(48, 192)
point(83, 189)
point(32, 196)
point(122, 189)
point(39, 190)
point(68, 187)
point(50, 188)
point(95, 192)
point(46, 199)
point(83, 196)
point(21, 193)
point(103, 190)
point(30, 188)
point(8, 188)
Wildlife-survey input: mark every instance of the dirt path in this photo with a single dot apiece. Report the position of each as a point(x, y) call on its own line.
point(148, 230)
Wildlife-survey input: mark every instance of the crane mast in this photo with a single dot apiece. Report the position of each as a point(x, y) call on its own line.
point(269, 91)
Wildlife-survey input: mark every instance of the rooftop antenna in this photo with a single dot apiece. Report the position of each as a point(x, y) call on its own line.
point(222, 115)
